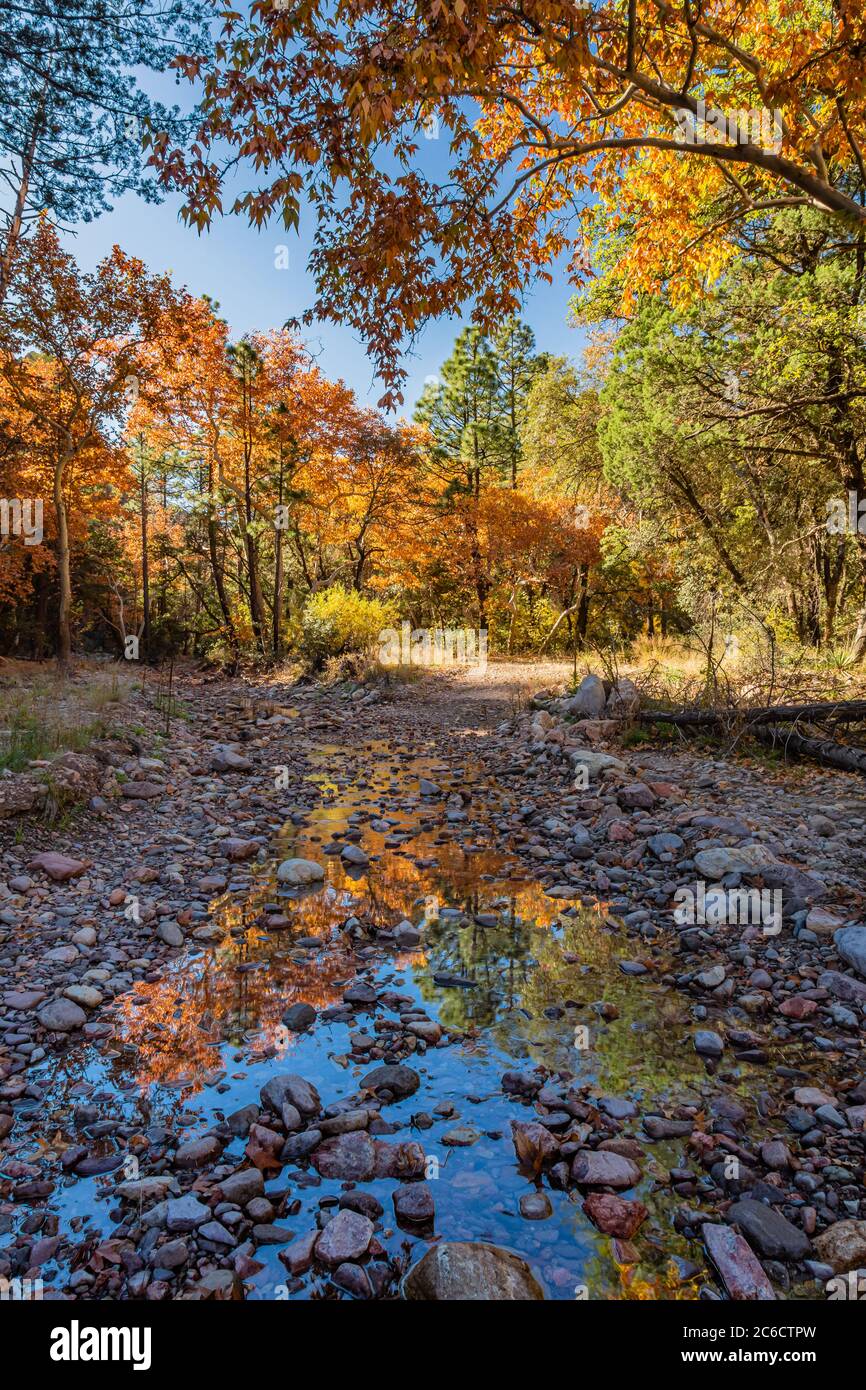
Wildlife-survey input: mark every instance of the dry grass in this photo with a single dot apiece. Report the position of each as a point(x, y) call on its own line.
point(43, 712)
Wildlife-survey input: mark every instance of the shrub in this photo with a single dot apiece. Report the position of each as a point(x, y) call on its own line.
point(337, 620)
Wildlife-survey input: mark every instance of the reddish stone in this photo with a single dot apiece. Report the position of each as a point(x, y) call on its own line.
point(58, 867)
point(616, 1216)
point(264, 1147)
point(798, 1008)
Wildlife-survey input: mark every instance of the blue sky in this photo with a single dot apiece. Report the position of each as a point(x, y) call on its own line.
point(235, 264)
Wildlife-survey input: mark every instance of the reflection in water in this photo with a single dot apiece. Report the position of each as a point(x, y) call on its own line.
point(201, 1042)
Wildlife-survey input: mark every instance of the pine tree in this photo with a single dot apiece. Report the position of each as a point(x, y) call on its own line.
point(517, 365)
point(73, 116)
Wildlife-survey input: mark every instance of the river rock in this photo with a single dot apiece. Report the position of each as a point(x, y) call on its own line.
point(295, 1089)
point(616, 1216)
point(413, 1203)
point(768, 1231)
point(348, 1157)
point(601, 1168)
point(58, 867)
point(850, 942)
point(185, 1213)
point(243, 1186)
point(346, 1237)
point(737, 1267)
point(62, 1016)
point(299, 1017)
point(300, 872)
point(842, 1246)
point(471, 1271)
point(399, 1080)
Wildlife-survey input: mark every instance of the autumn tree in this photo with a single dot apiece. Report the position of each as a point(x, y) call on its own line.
point(555, 113)
point(71, 347)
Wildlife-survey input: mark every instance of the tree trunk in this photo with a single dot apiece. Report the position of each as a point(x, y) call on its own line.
point(145, 564)
point(17, 220)
point(64, 634)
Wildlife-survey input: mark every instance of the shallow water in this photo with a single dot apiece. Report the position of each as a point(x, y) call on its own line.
point(201, 1042)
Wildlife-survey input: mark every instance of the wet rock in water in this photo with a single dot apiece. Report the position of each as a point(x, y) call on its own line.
point(738, 1268)
point(461, 1137)
point(470, 1271)
point(349, 1157)
point(616, 1216)
point(243, 1186)
point(298, 1257)
point(61, 1016)
point(59, 867)
point(413, 1203)
point(198, 1152)
point(346, 1237)
point(239, 1121)
point(533, 1144)
point(353, 854)
point(355, 1279)
point(522, 1083)
point(403, 1161)
point(264, 1147)
point(300, 1146)
point(144, 1189)
point(535, 1206)
point(842, 1246)
point(185, 1213)
point(299, 1017)
point(601, 1168)
point(295, 1089)
point(300, 872)
point(399, 1080)
point(407, 936)
point(768, 1231)
point(708, 1044)
point(850, 942)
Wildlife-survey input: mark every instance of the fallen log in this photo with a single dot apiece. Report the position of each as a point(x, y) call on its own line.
point(822, 750)
point(833, 711)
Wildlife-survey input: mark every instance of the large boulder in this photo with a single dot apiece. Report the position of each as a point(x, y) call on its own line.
point(470, 1271)
point(589, 699)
